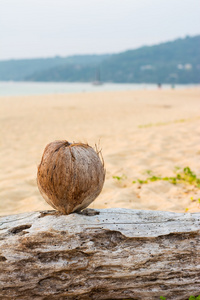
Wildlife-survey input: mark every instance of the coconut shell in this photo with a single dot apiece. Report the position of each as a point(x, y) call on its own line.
point(70, 176)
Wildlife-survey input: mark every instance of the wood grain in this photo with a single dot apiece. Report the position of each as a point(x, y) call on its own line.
point(100, 254)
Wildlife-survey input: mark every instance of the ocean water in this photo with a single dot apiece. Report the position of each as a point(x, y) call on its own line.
point(40, 88)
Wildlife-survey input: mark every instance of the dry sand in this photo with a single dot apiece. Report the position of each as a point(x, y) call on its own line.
point(138, 131)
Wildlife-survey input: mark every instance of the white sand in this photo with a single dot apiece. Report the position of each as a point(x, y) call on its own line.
point(171, 138)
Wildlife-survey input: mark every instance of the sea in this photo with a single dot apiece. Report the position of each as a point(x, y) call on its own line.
point(10, 88)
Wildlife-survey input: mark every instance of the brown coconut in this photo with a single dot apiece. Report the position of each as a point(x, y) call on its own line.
point(70, 176)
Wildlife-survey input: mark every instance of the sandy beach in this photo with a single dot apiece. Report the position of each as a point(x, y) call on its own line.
point(141, 133)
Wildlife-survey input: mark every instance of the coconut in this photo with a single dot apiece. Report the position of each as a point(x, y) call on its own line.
point(70, 176)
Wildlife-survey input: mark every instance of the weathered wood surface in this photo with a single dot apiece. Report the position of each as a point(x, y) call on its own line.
point(113, 254)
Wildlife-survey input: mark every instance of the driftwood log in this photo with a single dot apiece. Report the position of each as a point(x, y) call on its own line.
point(100, 254)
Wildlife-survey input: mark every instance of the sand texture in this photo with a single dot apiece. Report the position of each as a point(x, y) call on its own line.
point(141, 133)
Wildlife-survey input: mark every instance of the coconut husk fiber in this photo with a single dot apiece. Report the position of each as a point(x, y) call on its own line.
point(70, 176)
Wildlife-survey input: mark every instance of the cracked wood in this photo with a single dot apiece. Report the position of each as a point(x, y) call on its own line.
point(100, 254)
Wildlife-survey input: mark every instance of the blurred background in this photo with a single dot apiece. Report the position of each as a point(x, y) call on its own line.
point(125, 73)
point(108, 41)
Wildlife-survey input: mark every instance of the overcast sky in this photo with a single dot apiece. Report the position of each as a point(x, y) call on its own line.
point(44, 28)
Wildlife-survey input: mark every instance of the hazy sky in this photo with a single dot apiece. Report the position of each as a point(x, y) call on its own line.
point(43, 28)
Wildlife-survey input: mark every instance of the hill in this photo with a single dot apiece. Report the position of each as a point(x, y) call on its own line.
point(19, 70)
point(177, 61)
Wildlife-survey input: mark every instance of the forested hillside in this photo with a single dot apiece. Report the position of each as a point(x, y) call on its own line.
point(19, 70)
point(172, 62)
point(176, 61)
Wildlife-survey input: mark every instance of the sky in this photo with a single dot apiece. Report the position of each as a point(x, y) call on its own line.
point(45, 28)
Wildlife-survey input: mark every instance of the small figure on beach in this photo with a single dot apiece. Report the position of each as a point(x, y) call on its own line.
point(159, 85)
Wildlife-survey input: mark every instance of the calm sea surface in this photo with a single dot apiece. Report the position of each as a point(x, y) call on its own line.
point(40, 88)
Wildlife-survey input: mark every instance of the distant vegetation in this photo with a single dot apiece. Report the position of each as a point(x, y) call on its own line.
point(30, 69)
point(172, 62)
